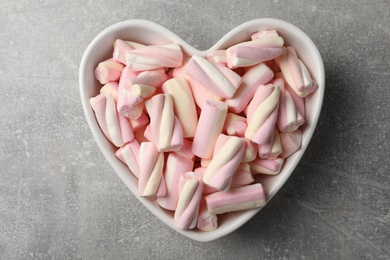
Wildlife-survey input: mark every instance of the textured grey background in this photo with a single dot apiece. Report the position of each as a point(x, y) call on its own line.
point(59, 198)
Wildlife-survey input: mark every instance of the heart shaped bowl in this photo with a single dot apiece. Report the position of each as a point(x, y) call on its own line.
point(147, 32)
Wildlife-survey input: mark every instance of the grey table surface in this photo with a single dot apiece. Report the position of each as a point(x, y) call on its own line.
point(60, 199)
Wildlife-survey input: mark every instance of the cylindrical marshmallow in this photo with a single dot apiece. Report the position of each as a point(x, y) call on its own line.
point(108, 70)
point(291, 142)
point(272, 148)
point(183, 104)
point(120, 49)
point(235, 125)
point(267, 166)
point(224, 162)
point(295, 73)
point(251, 80)
point(241, 198)
point(210, 124)
point(250, 152)
point(151, 180)
point(289, 118)
point(115, 127)
point(262, 113)
point(129, 155)
point(166, 129)
point(218, 56)
point(266, 47)
point(155, 57)
point(112, 88)
point(242, 176)
point(190, 193)
point(215, 77)
point(175, 166)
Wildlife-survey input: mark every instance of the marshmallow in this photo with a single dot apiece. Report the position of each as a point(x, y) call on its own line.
point(206, 188)
point(251, 80)
point(112, 88)
point(108, 70)
point(218, 56)
point(151, 180)
point(250, 152)
point(190, 193)
point(121, 47)
point(186, 149)
point(183, 104)
point(241, 198)
point(210, 124)
point(291, 142)
point(206, 221)
point(224, 162)
point(289, 118)
point(264, 33)
point(139, 123)
point(262, 113)
point(235, 125)
point(295, 73)
point(129, 155)
point(267, 166)
point(115, 127)
point(272, 148)
point(165, 127)
point(154, 57)
point(265, 47)
point(175, 166)
point(199, 92)
point(218, 79)
point(242, 176)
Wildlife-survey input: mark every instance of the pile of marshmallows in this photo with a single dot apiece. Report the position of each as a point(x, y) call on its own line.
point(194, 130)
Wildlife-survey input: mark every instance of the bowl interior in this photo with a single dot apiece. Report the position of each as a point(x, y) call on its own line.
point(147, 32)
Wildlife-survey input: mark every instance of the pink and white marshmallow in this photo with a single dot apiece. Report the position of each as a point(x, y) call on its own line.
point(112, 88)
point(262, 113)
point(108, 70)
point(151, 163)
point(155, 57)
point(215, 77)
point(265, 47)
point(241, 198)
point(183, 104)
point(251, 80)
point(115, 127)
point(165, 127)
point(210, 125)
point(226, 158)
point(206, 221)
point(235, 125)
point(266, 166)
point(121, 47)
point(296, 73)
point(175, 167)
point(272, 148)
point(190, 194)
point(129, 155)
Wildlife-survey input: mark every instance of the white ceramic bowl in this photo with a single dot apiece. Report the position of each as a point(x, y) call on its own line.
point(147, 32)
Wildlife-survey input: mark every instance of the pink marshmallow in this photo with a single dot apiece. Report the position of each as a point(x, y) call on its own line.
point(262, 113)
point(129, 155)
point(272, 148)
point(224, 162)
point(186, 149)
point(210, 124)
point(120, 49)
point(140, 122)
point(165, 127)
point(112, 88)
point(115, 127)
point(155, 57)
point(242, 176)
point(175, 167)
point(216, 78)
point(252, 79)
point(108, 70)
point(265, 47)
point(218, 56)
point(235, 125)
point(190, 193)
point(151, 180)
point(241, 198)
point(267, 166)
point(250, 152)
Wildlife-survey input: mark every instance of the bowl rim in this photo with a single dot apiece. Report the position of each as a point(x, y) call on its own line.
point(244, 27)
